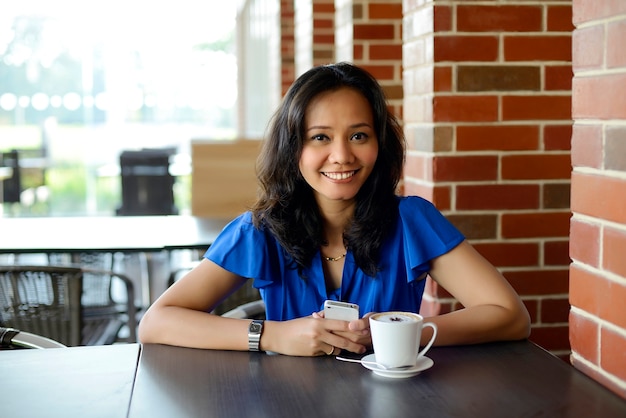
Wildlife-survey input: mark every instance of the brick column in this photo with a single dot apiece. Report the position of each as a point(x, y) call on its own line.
point(487, 101)
point(369, 34)
point(598, 226)
point(323, 32)
point(315, 33)
point(287, 45)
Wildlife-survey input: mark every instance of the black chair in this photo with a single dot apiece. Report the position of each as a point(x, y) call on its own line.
point(99, 297)
point(47, 301)
point(147, 185)
point(11, 187)
point(27, 185)
point(11, 338)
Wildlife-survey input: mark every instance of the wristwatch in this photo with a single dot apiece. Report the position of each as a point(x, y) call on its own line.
point(254, 334)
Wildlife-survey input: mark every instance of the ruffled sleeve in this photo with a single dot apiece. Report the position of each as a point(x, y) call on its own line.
point(244, 250)
point(427, 234)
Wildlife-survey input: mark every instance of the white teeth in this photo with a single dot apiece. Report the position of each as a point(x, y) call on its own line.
point(339, 176)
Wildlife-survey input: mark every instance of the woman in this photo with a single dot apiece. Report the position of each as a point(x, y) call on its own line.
point(328, 225)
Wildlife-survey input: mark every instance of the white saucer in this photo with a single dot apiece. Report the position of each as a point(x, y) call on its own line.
point(424, 363)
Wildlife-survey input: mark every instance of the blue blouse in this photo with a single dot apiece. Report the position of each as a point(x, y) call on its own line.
point(421, 234)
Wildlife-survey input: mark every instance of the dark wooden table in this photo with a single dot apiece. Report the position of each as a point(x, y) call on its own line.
point(81, 382)
point(492, 380)
point(124, 234)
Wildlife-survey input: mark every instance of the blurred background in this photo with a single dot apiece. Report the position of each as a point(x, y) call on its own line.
point(81, 82)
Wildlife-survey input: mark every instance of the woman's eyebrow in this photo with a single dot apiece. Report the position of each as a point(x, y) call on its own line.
point(361, 125)
point(317, 127)
point(356, 125)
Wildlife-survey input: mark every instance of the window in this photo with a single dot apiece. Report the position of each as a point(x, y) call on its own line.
point(259, 72)
point(80, 83)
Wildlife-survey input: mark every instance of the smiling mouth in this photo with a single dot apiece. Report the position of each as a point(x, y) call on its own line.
point(340, 176)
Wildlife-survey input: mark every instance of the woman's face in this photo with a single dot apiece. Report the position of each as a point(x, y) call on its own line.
point(340, 144)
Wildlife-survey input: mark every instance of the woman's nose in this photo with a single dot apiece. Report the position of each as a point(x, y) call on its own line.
point(341, 152)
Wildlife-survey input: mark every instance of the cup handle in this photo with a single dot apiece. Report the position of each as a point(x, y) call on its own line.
point(432, 339)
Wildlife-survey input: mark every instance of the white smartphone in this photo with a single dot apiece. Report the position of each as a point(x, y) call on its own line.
point(341, 310)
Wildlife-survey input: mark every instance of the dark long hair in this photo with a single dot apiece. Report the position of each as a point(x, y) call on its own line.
point(286, 205)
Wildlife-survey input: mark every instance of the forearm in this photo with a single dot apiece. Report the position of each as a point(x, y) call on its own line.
point(493, 310)
point(190, 328)
point(479, 324)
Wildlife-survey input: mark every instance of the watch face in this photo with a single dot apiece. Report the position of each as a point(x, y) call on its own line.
point(254, 327)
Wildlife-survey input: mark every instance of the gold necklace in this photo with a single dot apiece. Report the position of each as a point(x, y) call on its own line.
point(334, 258)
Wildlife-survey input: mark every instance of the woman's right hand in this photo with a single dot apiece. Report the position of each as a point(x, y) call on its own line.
point(312, 336)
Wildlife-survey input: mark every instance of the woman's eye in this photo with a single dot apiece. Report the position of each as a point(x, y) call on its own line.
point(359, 136)
point(319, 137)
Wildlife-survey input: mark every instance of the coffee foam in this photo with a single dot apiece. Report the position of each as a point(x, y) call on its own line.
point(395, 317)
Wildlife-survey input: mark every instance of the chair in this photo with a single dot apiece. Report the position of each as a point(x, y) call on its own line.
point(178, 273)
point(250, 310)
point(11, 187)
point(240, 300)
point(101, 295)
point(11, 338)
point(47, 300)
point(147, 185)
point(27, 185)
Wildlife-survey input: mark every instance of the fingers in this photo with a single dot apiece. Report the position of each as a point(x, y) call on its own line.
point(352, 336)
point(338, 344)
point(312, 336)
point(334, 335)
point(343, 341)
point(361, 326)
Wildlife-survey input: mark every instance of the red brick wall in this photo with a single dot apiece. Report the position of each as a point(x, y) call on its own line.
point(487, 99)
point(287, 45)
point(598, 225)
point(314, 33)
point(323, 32)
point(369, 34)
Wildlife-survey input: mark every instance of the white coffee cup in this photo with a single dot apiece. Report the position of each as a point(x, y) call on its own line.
point(396, 338)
